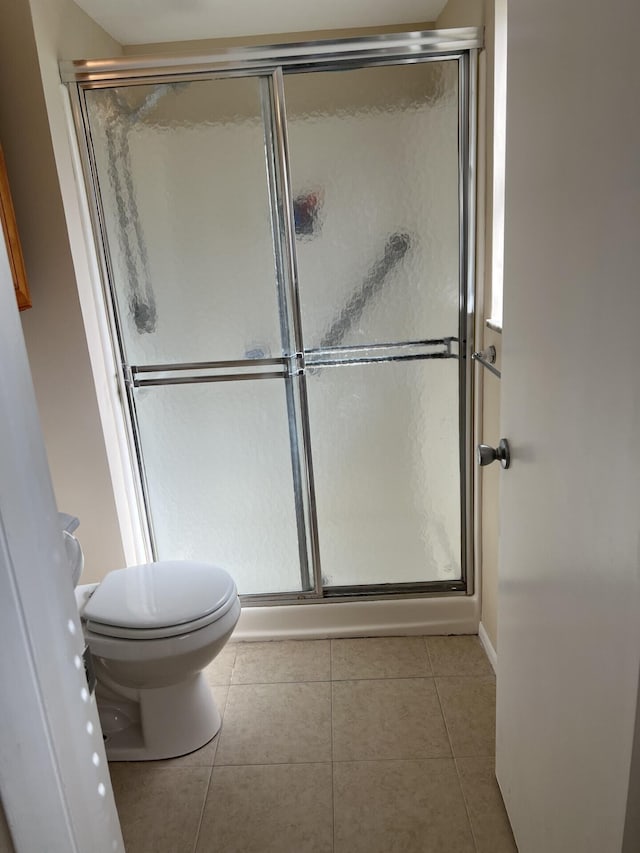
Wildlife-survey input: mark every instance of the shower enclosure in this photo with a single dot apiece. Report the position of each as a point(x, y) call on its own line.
point(286, 243)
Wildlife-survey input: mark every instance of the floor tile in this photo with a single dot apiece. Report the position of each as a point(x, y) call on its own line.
point(220, 669)
point(277, 808)
point(469, 707)
point(293, 660)
point(276, 724)
point(159, 809)
point(379, 657)
point(400, 807)
point(392, 718)
point(489, 820)
point(458, 656)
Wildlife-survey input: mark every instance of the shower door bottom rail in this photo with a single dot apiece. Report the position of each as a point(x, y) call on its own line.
point(359, 592)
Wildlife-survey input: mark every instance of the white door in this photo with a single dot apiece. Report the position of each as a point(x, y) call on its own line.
point(54, 781)
point(569, 590)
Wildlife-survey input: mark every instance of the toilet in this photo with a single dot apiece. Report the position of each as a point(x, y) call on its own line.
point(151, 630)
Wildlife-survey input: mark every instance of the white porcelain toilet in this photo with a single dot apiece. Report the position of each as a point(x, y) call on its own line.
point(151, 630)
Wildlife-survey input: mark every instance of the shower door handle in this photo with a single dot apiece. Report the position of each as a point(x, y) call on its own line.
point(488, 454)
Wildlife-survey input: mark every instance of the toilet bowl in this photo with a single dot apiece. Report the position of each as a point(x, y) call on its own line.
point(151, 630)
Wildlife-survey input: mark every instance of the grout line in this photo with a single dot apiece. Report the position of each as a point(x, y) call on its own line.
point(204, 804)
point(382, 759)
point(333, 793)
point(218, 738)
point(331, 694)
point(466, 806)
point(426, 645)
point(233, 667)
point(273, 763)
point(444, 717)
point(447, 757)
point(455, 764)
point(489, 675)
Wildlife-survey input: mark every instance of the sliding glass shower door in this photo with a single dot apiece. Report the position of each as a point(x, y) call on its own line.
point(374, 169)
point(286, 276)
point(184, 190)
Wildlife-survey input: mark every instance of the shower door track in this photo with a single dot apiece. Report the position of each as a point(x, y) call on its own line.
point(269, 64)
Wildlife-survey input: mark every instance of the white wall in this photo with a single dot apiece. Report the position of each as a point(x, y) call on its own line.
point(53, 327)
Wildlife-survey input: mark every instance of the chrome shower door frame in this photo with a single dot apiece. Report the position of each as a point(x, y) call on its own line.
point(269, 64)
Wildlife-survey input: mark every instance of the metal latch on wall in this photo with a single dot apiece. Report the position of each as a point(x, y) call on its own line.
point(487, 358)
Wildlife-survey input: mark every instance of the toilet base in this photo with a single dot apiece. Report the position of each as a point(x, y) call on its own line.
point(161, 722)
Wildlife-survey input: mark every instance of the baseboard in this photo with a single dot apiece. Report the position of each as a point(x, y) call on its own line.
point(438, 615)
point(488, 646)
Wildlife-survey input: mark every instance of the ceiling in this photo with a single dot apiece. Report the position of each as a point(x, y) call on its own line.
point(148, 21)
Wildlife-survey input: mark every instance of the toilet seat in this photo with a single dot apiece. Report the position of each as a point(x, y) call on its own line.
point(158, 600)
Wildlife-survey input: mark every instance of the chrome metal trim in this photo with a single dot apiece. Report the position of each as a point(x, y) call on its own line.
point(359, 591)
point(264, 58)
point(469, 72)
point(355, 64)
point(286, 209)
point(428, 589)
point(290, 291)
point(223, 71)
point(462, 296)
point(488, 354)
point(228, 371)
point(487, 359)
point(103, 256)
point(196, 380)
point(142, 471)
point(286, 322)
point(489, 367)
point(266, 102)
point(486, 454)
point(314, 534)
point(207, 365)
point(392, 345)
point(339, 362)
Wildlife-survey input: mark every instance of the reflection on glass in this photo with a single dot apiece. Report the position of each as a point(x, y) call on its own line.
point(374, 164)
point(184, 189)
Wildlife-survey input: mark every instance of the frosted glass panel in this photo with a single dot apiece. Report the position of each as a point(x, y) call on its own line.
point(185, 195)
point(374, 165)
point(219, 478)
point(386, 460)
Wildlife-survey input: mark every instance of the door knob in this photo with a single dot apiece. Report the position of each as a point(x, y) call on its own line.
point(487, 454)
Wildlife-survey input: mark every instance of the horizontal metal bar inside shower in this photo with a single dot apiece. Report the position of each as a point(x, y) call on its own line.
point(139, 376)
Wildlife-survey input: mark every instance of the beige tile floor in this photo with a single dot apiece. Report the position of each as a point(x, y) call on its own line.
point(381, 745)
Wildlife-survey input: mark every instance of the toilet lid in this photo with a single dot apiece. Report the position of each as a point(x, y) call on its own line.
point(159, 599)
